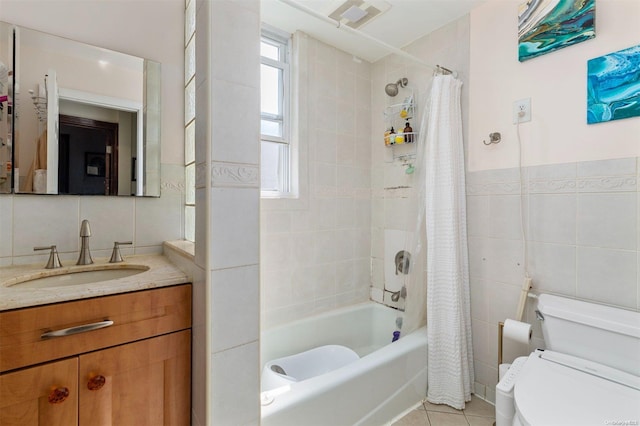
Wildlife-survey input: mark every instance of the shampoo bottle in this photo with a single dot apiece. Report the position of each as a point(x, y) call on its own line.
point(408, 133)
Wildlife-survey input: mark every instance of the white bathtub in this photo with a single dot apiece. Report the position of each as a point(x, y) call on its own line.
point(387, 380)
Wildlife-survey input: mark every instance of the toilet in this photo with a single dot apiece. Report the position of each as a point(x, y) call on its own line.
point(588, 375)
point(305, 365)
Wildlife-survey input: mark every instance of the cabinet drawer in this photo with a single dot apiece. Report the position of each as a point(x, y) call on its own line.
point(135, 316)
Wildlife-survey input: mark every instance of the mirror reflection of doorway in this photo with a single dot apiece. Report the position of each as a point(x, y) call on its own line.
point(88, 156)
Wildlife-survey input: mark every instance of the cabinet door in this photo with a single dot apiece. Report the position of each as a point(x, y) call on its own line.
point(142, 383)
point(42, 395)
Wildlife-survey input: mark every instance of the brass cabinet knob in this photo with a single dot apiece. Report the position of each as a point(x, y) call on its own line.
point(58, 395)
point(96, 383)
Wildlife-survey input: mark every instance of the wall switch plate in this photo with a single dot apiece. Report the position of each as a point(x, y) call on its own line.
point(522, 110)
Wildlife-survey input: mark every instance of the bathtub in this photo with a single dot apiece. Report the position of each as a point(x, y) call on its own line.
point(387, 380)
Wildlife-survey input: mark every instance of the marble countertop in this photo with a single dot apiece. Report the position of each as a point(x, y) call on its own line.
point(161, 273)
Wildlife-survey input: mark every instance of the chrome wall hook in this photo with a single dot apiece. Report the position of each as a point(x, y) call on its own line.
point(494, 137)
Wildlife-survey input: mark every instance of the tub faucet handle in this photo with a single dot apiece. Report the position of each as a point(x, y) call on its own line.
point(116, 256)
point(54, 260)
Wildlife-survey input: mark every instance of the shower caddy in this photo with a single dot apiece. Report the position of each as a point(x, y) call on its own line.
point(396, 116)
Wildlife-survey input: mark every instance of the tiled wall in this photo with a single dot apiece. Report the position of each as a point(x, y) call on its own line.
point(41, 220)
point(315, 250)
point(227, 177)
point(393, 205)
point(583, 232)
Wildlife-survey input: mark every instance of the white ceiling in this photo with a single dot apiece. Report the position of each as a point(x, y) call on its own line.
point(404, 22)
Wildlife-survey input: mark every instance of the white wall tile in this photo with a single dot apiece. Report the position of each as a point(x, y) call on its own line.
point(608, 220)
point(505, 260)
point(234, 227)
point(45, 220)
point(608, 276)
point(244, 29)
point(234, 307)
point(478, 215)
point(326, 146)
point(553, 218)
point(229, 123)
point(158, 219)
point(276, 288)
point(111, 219)
point(504, 216)
point(235, 384)
point(553, 268)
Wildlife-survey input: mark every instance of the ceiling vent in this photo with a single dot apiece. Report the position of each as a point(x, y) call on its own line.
point(356, 13)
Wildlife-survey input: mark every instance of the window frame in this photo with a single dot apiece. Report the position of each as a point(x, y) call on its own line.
point(282, 40)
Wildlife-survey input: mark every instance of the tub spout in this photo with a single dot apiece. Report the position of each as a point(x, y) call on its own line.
point(395, 296)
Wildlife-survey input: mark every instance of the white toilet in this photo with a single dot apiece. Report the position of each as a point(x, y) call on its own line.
point(588, 375)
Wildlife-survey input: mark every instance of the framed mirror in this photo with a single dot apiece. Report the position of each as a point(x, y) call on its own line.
point(86, 120)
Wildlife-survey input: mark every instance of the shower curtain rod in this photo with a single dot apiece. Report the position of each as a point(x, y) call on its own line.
point(393, 49)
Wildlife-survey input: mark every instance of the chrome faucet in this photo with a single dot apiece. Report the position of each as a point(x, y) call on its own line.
point(116, 256)
point(85, 253)
point(54, 260)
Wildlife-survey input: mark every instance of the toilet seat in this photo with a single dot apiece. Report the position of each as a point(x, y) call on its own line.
point(557, 389)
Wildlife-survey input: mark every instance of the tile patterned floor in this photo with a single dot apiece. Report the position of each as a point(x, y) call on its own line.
point(476, 413)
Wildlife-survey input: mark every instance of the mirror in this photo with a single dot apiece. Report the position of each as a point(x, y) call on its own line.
point(86, 119)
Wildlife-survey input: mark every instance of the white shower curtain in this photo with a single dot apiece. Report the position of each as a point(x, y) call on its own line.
point(450, 359)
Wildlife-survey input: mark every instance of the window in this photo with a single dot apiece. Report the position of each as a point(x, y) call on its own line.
point(189, 120)
point(275, 126)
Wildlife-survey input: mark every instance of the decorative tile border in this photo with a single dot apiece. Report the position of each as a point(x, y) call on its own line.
point(178, 187)
point(608, 184)
point(235, 175)
point(567, 185)
point(553, 186)
point(494, 188)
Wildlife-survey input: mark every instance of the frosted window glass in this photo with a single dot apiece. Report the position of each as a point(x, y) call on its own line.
point(190, 223)
point(269, 51)
point(189, 21)
point(190, 143)
point(271, 128)
point(270, 90)
point(270, 166)
point(190, 102)
point(190, 184)
point(190, 60)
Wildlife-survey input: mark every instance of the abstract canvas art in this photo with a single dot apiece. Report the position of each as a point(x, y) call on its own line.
point(548, 25)
point(613, 86)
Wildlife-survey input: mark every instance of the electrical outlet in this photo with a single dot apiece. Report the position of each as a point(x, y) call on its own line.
point(522, 110)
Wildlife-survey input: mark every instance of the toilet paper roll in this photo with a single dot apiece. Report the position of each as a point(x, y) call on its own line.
point(517, 331)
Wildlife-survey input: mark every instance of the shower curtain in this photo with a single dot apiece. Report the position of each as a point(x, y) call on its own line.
point(450, 356)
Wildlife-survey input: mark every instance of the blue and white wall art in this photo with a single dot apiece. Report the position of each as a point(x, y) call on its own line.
point(548, 25)
point(613, 86)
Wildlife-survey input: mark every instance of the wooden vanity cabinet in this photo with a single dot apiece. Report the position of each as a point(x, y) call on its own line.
point(36, 395)
point(142, 382)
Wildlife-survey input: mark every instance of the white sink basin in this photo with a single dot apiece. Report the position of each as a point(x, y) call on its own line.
point(70, 276)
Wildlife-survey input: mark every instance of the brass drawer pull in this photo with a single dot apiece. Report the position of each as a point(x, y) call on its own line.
point(77, 329)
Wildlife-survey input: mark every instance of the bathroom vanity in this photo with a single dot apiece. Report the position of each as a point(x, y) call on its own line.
point(121, 358)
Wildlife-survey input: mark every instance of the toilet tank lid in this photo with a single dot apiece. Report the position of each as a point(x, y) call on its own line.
point(617, 320)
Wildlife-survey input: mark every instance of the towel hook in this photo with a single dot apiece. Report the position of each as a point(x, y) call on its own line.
point(494, 137)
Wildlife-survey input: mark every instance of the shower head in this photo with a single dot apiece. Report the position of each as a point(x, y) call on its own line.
point(391, 89)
